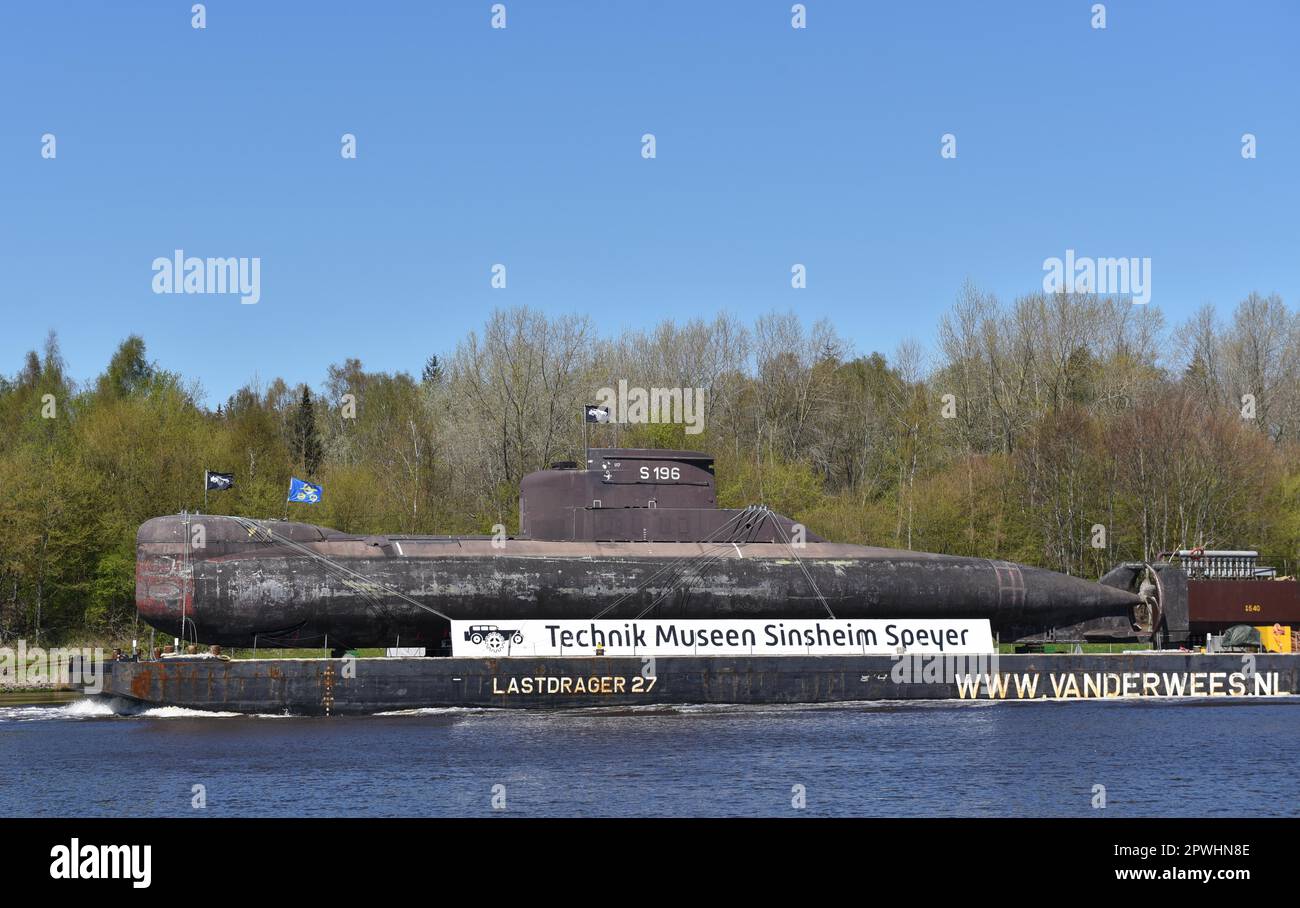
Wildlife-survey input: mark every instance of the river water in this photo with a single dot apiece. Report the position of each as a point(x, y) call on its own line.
point(1154, 758)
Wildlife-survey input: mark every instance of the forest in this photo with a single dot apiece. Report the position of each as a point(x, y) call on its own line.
point(1068, 431)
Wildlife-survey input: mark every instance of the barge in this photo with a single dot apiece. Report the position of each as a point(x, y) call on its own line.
point(571, 611)
point(336, 687)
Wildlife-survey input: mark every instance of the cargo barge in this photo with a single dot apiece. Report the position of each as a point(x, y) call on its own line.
point(626, 585)
point(336, 687)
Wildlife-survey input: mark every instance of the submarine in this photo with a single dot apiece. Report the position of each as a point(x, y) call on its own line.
point(631, 533)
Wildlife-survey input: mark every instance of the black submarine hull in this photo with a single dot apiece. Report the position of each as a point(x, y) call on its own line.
point(227, 581)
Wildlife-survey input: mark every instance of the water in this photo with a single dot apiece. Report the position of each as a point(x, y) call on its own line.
point(1155, 758)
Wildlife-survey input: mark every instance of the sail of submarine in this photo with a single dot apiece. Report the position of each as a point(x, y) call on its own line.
point(637, 533)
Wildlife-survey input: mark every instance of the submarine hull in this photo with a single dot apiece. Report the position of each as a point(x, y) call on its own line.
point(298, 585)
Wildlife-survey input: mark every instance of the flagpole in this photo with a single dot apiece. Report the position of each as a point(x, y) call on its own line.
point(205, 491)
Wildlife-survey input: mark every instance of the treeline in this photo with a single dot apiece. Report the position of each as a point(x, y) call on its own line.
point(1067, 431)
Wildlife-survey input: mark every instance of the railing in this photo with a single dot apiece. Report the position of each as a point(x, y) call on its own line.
point(1203, 564)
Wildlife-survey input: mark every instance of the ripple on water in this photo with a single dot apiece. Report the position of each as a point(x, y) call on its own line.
point(105, 708)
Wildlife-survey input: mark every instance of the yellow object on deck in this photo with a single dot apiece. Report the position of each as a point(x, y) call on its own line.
point(1276, 639)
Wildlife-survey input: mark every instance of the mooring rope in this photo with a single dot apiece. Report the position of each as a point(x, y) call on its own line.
point(337, 569)
point(799, 561)
point(675, 568)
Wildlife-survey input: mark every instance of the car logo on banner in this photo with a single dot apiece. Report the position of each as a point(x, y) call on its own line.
point(493, 638)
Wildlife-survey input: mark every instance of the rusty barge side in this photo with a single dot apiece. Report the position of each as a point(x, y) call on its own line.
point(366, 686)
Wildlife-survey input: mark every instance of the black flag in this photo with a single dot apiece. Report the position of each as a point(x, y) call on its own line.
point(218, 481)
point(594, 413)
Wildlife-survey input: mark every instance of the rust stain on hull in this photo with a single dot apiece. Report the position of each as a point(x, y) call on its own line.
point(141, 682)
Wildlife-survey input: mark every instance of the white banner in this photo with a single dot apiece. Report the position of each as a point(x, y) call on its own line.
point(721, 637)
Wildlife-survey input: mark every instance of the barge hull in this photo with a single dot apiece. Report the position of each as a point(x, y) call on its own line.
point(331, 687)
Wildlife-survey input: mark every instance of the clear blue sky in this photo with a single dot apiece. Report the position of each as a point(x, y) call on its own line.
point(522, 146)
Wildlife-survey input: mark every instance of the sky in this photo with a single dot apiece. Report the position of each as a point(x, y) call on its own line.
point(523, 146)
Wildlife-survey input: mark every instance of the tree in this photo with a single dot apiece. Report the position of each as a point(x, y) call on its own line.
point(306, 439)
point(128, 371)
point(433, 372)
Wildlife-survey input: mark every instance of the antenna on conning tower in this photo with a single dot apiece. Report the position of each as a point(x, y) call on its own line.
point(590, 414)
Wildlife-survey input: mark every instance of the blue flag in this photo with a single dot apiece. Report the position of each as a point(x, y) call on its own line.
point(303, 492)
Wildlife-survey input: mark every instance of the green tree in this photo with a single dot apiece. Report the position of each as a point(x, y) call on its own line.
point(306, 438)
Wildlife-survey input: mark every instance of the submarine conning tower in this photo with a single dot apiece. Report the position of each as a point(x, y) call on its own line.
point(638, 495)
